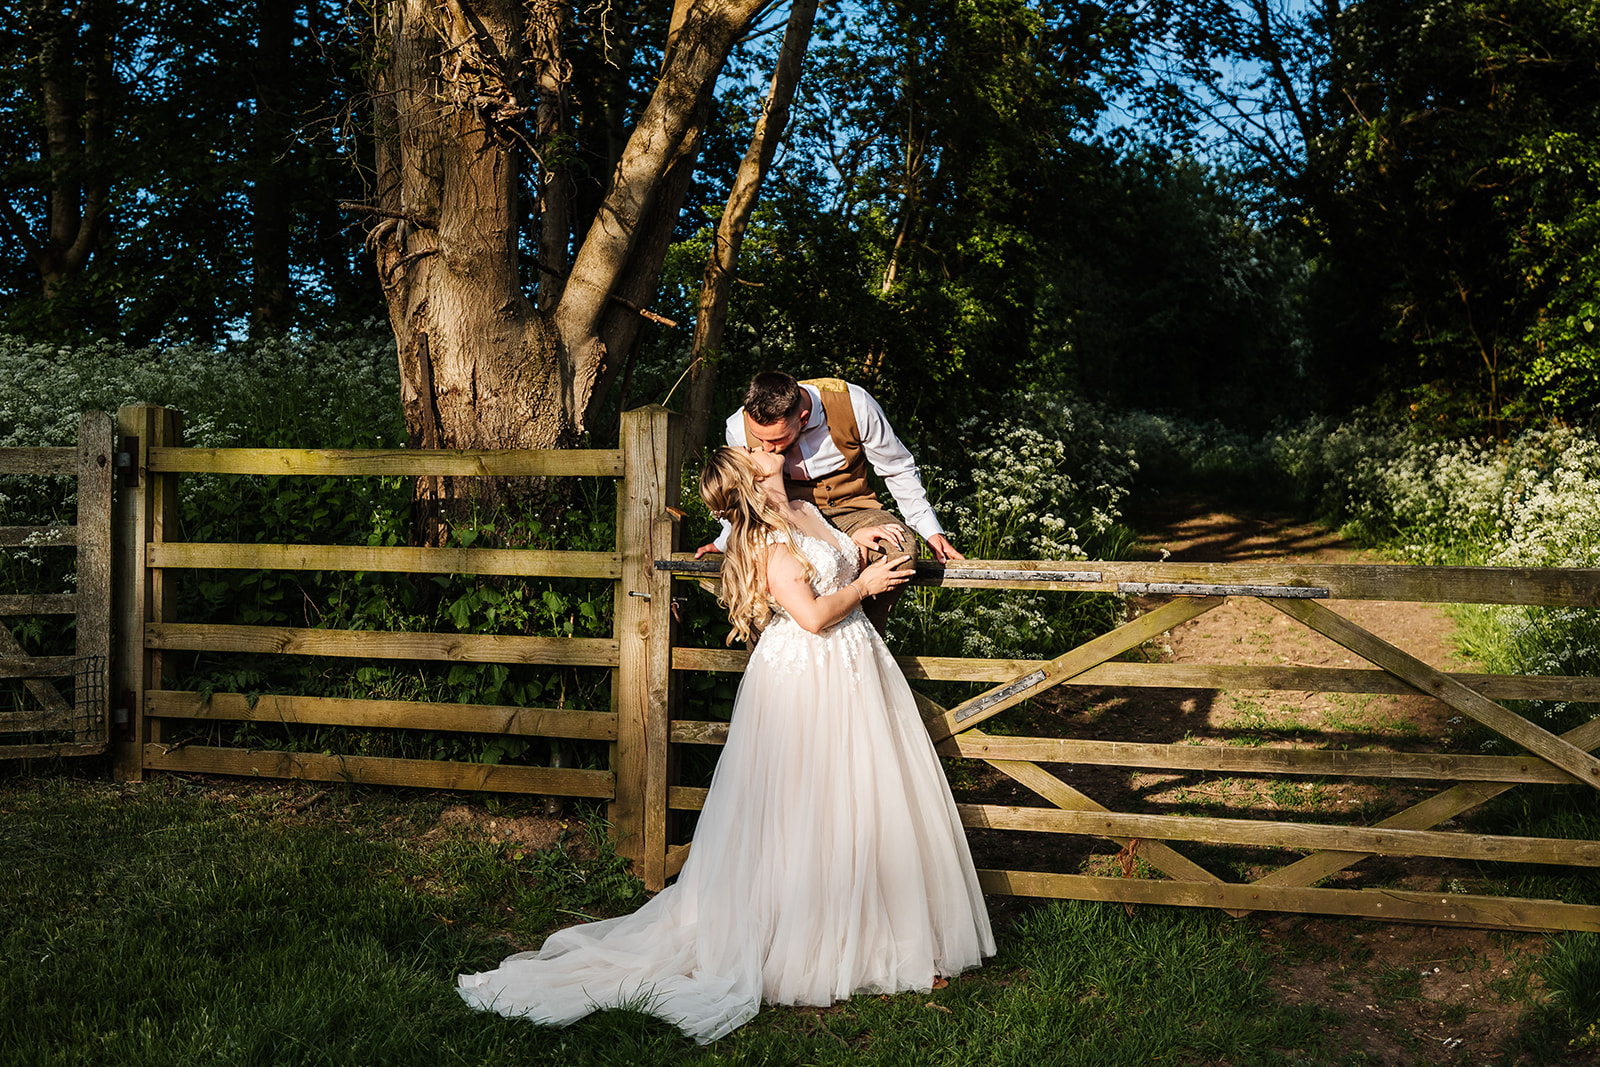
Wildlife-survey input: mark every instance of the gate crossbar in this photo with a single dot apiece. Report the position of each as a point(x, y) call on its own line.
point(1550, 759)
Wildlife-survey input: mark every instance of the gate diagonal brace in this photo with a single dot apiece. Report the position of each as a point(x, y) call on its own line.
point(1423, 816)
point(1537, 740)
point(1070, 664)
point(1162, 857)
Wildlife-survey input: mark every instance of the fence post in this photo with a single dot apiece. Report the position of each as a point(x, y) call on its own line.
point(647, 530)
point(146, 504)
point(96, 467)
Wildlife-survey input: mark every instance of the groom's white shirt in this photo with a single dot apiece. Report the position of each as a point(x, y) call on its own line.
point(814, 455)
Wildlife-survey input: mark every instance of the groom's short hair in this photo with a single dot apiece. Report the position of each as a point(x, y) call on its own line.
point(772, 397)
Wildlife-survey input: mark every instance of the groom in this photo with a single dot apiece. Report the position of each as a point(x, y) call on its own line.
point(829, 433)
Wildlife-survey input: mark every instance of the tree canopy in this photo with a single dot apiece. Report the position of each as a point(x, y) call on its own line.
point(1246, 208)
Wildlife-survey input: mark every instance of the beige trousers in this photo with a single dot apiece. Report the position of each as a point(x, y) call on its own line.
point(852, 519)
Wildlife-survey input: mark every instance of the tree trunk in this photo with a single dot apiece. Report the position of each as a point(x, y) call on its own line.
point(72, 103)
point(482, 366)
point(269, 141)
point(723, 260)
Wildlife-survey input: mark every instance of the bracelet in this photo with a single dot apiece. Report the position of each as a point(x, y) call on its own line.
point(861, 598)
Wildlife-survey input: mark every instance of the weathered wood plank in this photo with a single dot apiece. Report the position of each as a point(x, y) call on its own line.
point(137, 425)
point(1429, 813)
point(1212, 589)
point(1226, 677)
point(38, 536)
point(39, 604)
point(1404, 665)
point(677, 856)
point(509, 561)
point(686, 797)
point(1232, 759)
point(38, 461)
point(1299, 837)
point(36, 666)
point(1068, 664)
point(1552, 586)
point(1289, 678)
point(47, 751)
point(658, 512)
point(1389, 905)
point(386, 714)
point(694, 732)
point(53, 705)
point(369, 644)
point(378, 770)
point(34, 720)
point(520, 463)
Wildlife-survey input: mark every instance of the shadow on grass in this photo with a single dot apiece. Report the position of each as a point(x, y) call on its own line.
point(172, 924)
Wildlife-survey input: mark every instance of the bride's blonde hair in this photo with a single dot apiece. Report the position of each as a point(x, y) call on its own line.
point(729, 488)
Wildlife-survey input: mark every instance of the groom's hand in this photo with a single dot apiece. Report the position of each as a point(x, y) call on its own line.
point(943, 550)
point(703, 549)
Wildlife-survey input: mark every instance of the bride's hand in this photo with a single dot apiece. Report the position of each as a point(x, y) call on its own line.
point(882, 576)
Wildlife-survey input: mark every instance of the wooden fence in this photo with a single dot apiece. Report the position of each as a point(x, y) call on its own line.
point(1463, 781)
point(646, 466)
point(36, 718)
point(646, 724)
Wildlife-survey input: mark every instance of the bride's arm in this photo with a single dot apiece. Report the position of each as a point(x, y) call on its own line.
point(786, 581)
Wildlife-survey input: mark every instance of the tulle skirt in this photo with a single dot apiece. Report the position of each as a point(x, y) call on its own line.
point(828, 860)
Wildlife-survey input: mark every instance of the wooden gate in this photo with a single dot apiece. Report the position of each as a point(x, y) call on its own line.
point(1298, 591)
point(57, 705)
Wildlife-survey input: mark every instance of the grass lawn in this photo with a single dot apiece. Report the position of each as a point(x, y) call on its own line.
point(179, 923)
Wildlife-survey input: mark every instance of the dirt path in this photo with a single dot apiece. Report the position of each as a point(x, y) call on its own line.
point(1404, 994)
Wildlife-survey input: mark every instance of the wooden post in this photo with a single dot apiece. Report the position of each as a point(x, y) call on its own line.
point(96, 465)
point(647, 530)
point(145, 505)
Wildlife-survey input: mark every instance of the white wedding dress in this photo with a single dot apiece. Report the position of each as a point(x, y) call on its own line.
point(828, 859)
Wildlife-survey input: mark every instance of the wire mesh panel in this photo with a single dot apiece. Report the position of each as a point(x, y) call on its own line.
point(58, 701)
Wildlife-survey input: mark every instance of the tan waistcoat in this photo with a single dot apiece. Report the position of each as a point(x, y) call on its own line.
point(846, 489)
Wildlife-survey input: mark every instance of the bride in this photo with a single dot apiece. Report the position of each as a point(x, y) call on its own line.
point(829, 858)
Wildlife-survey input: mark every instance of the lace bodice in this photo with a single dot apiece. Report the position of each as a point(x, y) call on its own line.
point(788, 646)
point(835, 559)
